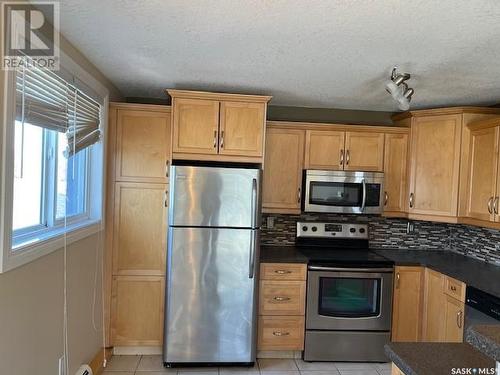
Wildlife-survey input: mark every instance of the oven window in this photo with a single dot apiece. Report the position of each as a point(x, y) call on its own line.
point(336, 194)
point(349, 297)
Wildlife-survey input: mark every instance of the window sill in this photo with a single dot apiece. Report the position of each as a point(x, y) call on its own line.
point(47, 243)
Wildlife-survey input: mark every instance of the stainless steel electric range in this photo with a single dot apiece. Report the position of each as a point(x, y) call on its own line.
point(349, 293)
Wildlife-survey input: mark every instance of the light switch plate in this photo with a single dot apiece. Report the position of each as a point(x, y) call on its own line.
point(270, 222)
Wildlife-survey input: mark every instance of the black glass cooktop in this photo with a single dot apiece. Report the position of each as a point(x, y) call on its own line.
point(334, 257)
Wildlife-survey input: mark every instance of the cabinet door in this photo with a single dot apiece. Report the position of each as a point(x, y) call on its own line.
point(395, 172)
point(435, 158)
point(454, 320)
point(407, 306)
point(140, 227)
point(483, 166)
point(242, 128)
point(434, 307)
point(325, 150)
point(137, 310)
point(195, 126)
point(283, 170)
point(142, 139)
point(364, 151)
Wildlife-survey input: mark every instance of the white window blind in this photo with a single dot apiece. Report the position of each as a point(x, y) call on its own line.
point(44, 99)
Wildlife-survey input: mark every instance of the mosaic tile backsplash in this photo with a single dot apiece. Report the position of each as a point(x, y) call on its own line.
point(388, 233)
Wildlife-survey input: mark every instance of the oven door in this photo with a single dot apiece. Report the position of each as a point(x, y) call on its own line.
point(349, 298)
point(343, 192)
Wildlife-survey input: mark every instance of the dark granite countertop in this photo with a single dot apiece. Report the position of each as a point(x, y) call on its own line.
point(486, 338)
point(281, 254)
point(427, 358)
point(473, 272)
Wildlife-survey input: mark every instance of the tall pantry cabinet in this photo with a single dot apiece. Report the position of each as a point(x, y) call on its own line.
point(136, 216)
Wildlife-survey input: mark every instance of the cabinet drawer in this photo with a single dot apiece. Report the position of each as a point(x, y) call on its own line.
point(281, 333)
point(283, 271)
point(282, 297)
point(454, 288)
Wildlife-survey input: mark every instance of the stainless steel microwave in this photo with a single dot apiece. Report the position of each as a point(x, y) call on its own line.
point(343, 192)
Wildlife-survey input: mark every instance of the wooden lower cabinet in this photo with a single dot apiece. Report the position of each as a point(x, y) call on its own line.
point(407, 305)
point(137, 309)
point(282, 301)
point(433, 329)
point(281, 333)
point(454, 320)
point(443, 312)
point(396, 371)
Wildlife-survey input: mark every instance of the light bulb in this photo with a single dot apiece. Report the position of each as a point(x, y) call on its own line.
point(393, 89)
point(403, 103)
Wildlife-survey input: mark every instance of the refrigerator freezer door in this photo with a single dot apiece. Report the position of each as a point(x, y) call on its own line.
point(214, 197)
point(211, 308)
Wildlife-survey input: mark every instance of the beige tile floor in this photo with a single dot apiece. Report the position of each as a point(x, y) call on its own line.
point(152, 365)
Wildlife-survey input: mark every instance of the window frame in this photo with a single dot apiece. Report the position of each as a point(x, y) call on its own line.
point(75, 230)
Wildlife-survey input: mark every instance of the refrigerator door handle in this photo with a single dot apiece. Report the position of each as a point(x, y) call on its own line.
point(254, 203)
point(251, 257)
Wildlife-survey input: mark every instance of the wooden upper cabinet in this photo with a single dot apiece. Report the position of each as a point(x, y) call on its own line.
point(395, 172)
point(407, 305)
point(364, 151)
point(218, 126)
point(242, 128)
point(324, 149)
point(195, 126)
point(483, 173)
point(142, 139)
point(435, 162)
point(283, 170)
point(140, 227)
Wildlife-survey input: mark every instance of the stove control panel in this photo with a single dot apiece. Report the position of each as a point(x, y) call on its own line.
point(331, 230)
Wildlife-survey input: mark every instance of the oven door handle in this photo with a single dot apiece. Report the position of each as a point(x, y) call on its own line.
point(344, 269)
point(363, 203)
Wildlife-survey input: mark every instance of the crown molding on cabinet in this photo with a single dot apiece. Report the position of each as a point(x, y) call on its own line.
point(218, 96)
point(446, 111)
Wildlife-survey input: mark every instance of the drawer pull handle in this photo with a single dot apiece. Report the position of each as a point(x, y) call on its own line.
point(459, 319)
point(281, 299)
point(282, 272)
point(453, 288)
point(279, 333)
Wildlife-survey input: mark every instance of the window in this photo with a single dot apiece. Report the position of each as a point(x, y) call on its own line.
point(50, 190)
point(53, 164)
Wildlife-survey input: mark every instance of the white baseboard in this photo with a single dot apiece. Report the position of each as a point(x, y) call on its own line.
point(137, 350)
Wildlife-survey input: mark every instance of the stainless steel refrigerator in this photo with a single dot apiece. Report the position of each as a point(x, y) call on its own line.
point(213, 247)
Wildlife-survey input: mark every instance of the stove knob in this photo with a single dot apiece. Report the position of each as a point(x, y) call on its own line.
point(314, 229)
point(304, 228)
point(352, 230)
point(362, 230)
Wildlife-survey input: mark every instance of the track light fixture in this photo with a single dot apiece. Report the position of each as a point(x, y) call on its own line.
point(398, 88)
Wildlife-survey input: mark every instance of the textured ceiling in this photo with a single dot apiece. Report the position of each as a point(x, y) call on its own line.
point(312, 53)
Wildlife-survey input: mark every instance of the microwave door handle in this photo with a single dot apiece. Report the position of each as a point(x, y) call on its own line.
point(363, 203)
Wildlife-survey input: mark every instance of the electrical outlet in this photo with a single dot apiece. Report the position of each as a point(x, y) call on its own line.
point(270, 222)
point(62, 366)
point(410, 227)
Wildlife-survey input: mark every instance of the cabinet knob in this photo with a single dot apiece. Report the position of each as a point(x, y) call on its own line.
point(215, 138)
point(298, 195)
point(341, 157)
point(495, 205)
point(222, 139)
point(412, 200)
point(490, 205)
point(398, 277)
point(347, 157)
point(386, 198)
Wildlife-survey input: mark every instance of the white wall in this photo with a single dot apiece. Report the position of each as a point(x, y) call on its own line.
point(31, 296)
point(31, 311)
